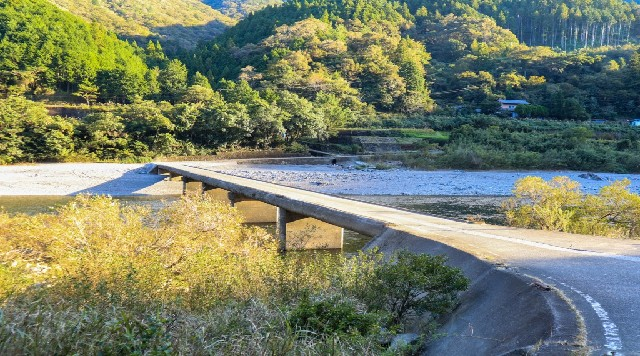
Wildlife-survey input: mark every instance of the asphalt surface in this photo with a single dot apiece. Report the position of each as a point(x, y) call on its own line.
point(600, 276)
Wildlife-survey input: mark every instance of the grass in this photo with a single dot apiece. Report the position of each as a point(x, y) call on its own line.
point(97, 277)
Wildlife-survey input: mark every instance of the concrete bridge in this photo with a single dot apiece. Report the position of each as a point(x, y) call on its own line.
point(548, 292)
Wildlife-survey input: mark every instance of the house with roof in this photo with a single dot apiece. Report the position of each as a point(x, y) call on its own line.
point(510, 105)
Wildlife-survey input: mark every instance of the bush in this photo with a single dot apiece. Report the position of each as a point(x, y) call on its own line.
point(411, 284)
point(333, 317)
point(560, 205)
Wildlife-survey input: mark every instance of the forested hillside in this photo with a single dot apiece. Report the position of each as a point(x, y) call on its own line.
point(305, 69)
point(184, 22)
point(240, 8)
point(379, 50)
point(43, 48)
point(565, 24)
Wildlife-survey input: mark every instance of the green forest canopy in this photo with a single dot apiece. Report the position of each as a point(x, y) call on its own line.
point(307, 68)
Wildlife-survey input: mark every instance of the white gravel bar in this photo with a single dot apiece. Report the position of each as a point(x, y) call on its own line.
point(134, 179)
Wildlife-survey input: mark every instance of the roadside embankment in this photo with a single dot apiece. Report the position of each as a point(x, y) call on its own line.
point(502, 312)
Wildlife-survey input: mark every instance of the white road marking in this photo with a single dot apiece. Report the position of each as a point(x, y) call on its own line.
point(613, 342)
point(419, 223)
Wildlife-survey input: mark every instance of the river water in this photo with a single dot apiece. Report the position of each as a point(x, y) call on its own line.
point(464, 208)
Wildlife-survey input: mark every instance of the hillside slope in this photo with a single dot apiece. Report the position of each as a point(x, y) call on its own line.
point(182, 21)
point(378, 51)
point(240, 8)
point(42, 47)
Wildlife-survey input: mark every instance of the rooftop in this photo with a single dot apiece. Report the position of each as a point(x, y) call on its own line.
point(514, 102)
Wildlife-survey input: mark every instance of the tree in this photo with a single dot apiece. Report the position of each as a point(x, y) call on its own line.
point(197, 94)
point(531, 111)
point(380, 81)
point(413, 57)
point(221, 124)
point(300, 117)
point(200, 80)
point(145, 120)
point(30, 134)
point(107, 137)
point(173, 80)
point(88, 91)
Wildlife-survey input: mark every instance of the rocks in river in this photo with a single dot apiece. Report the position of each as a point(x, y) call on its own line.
point(591, 176)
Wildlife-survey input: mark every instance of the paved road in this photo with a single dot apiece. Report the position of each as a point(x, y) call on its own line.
point(601, 276)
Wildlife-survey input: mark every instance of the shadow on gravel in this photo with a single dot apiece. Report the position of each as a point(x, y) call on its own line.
point(129, 184)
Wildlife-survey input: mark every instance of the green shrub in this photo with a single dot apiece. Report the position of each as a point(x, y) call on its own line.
point(560, 205)
point(97, 277)
point(412, 283)
point(333, 317)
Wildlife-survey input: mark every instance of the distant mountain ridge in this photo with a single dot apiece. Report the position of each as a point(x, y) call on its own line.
point(184, 22)
point(240, 8)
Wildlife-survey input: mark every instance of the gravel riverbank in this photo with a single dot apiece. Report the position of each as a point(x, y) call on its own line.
point(347, 179)
point(133, 179)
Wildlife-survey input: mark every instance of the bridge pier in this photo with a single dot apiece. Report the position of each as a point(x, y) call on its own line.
point(299, 232)
point(254, 211)
point(191, 187)
point(172, 176)
point(217, 194)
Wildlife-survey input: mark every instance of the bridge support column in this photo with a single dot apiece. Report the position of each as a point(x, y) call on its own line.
point(171, 176)
point(160, 171)
point(298, 232)
point(217, 194)
point(254, 211)
point(191, 187)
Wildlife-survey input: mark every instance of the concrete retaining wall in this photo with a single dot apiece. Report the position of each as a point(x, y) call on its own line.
point(502, 312)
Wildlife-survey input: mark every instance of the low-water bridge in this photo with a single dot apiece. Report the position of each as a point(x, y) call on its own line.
point(510, 306)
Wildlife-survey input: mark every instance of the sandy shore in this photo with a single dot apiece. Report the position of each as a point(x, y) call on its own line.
point(133, 179)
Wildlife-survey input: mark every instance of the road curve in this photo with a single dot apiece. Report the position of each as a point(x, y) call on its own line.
point(600, 276)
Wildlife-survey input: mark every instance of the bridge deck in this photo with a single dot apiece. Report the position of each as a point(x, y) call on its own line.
point(598, 274)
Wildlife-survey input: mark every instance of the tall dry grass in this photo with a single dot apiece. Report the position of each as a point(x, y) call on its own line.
point(97, 277)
